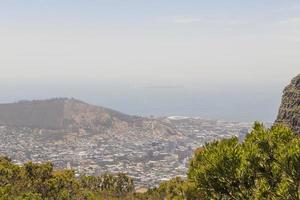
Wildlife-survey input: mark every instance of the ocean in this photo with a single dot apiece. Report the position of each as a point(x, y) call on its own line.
point(225, 102)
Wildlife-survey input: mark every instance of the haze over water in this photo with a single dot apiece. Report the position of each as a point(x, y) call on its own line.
point(227, 102)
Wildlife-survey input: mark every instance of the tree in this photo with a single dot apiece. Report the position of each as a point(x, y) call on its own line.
point(216, 169)
point(265, 166)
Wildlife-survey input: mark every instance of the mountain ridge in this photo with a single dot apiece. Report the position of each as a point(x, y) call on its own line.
point(73, 114)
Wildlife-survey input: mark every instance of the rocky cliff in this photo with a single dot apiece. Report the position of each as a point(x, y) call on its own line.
point(289, 111)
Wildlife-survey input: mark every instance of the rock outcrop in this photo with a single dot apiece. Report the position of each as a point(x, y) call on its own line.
point(289, 111)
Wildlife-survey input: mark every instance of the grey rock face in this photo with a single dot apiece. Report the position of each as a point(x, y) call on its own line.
point(289, 111)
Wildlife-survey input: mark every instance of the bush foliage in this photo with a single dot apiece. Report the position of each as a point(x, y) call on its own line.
point(39, 181)
point(266, 166)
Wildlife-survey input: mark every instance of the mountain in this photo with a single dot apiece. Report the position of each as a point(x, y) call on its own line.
point(289, 111)
point(72, 114)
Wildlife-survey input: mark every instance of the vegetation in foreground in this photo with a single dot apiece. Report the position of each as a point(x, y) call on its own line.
point(39, 181)
point(265, 166)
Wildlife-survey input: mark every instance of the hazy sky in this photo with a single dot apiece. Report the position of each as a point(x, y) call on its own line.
point(143, 43)
point(165, 41)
